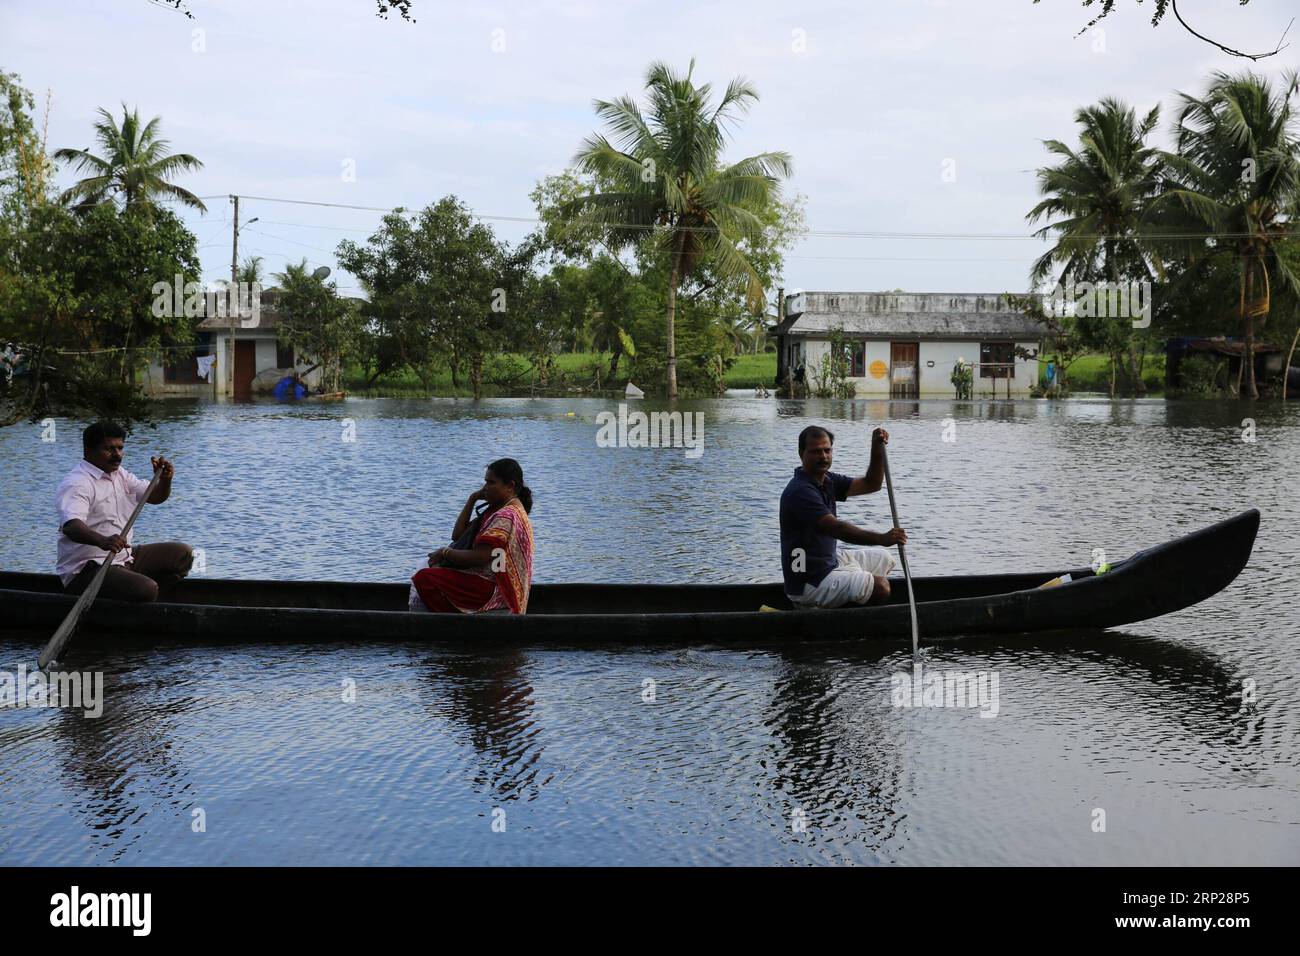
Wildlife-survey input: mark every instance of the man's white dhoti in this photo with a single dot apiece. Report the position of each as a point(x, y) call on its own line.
point(850, 582)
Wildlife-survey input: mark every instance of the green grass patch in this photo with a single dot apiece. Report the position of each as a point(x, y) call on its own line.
point(1091, 373)
point(404, 383)
point(750, 371)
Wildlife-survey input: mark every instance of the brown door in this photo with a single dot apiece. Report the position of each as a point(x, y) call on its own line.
point(245, 360)
point(904, 369)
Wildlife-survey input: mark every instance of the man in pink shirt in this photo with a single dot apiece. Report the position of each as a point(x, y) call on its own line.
point(95, 502)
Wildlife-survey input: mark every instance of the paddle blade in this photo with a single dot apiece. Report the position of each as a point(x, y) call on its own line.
point(64, 634)
point(60, 639)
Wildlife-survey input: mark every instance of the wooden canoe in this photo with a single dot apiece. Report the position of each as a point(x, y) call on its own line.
point(1158, 580)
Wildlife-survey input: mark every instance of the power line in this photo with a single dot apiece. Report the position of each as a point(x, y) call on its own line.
point(811, 233)
point(259, 232)
point(310, 225)
point(911, 258)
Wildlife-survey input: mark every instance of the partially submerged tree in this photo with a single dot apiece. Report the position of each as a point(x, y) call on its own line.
point(444, 290)
point(662, 183)
point(1233, 187)
point(1100, 194)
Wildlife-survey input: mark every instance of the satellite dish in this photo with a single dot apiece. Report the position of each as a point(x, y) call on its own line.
point(321, 273)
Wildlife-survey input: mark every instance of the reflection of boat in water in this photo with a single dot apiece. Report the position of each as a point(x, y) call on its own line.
point(1159, 580)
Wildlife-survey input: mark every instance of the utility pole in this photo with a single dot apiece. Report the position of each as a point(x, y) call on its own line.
point(234, 299)
point(231, 303)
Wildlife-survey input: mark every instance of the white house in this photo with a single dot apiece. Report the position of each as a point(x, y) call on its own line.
point(256, 351)
point(904, 345)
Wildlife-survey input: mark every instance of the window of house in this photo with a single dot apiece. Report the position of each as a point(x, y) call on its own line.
point(180, 367)
point(832, 302)
point(997, 359)
point(283, 355)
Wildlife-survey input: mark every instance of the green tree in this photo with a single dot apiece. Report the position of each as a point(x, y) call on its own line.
point(77, 316)
point(610, 286)
point(397, 331)
point(663, 184)
point(445, 289)
point(1100, 194)
point(315, 320)
point(250, 271)
point(1287, 313)
point(77, 302)
point(136, 164)
point(24, 168)
point(1233, 189)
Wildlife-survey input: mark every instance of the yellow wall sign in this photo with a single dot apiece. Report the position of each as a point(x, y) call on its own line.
point(879, 369)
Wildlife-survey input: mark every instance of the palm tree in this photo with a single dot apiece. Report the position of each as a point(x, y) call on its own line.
point(250, 271)
point(607, 335)
point(664, 183)
point(742, 331)
point(758, 331)
point(136, 164)
point(1234, 182)
point(1103, 190)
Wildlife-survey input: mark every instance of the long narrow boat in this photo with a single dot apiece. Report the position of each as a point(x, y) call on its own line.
point(1158, 580)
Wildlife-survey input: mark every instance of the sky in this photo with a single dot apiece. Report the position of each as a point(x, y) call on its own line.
point(922, 120)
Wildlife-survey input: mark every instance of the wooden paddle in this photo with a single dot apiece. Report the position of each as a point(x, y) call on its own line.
point(61, 637)
point(902, 554)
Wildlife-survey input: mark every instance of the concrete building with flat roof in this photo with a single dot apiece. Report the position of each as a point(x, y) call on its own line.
point(905, 344)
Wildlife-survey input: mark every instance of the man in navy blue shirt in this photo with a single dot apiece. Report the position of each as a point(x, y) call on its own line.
point(818, 572)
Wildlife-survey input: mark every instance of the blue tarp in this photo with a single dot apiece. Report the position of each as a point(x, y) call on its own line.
point(289, 389)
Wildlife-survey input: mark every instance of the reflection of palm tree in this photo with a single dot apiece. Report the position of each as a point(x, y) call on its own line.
point(136, 164)
point(664, 182)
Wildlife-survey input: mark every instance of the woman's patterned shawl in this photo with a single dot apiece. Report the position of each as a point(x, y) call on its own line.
point(510, 534)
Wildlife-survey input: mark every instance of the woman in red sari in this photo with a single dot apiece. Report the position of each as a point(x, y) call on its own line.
point(489, 565)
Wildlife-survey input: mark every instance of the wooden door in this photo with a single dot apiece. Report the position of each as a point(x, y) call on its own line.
point(245, 362)
point(904, 369)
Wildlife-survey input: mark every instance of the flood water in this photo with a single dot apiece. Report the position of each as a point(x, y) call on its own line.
point(762, 754)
